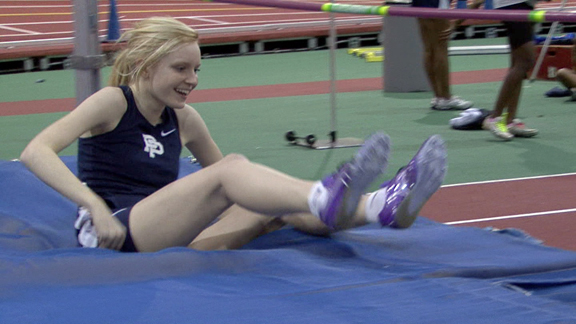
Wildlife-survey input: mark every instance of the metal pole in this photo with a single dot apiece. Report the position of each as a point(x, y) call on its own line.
point(334, 141)
point(87, 58)
point(545, 46)
point(332, 47)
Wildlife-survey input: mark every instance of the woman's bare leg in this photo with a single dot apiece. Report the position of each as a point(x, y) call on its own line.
point(177, 213)
point(522, 60)
point(436, 55)
point(567, 77)
point(237, 227)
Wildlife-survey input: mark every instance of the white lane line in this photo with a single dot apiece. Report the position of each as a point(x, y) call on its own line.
point(551, 212)
point(509, 180)
point(218, 22)
point(54, 40)
point(30, 7)
point(185, 4)
point(118, 5)
point(20, 30)
point(206, 18)
point(44, 23)
point(272, 23)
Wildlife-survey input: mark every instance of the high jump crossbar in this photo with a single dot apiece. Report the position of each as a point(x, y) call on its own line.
point(537, 16)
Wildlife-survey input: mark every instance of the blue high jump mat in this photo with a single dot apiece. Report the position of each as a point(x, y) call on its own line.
point(430, 273)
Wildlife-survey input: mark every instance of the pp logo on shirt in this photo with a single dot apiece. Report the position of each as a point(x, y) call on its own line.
point(152, 146)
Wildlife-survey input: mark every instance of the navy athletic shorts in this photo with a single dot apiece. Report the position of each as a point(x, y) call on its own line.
point(124, 217)
point(86, 233)
point(426, 3)
point(519, 32)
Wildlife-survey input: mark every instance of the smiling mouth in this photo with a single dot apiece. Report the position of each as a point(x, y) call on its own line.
point(184, 92)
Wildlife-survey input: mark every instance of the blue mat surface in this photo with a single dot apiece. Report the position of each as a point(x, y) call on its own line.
point(430, 273)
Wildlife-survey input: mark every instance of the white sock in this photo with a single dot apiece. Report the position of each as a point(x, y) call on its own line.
point(374, 205)
point(317, 198)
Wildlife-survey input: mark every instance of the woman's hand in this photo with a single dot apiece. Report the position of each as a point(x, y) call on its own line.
point(111, 232)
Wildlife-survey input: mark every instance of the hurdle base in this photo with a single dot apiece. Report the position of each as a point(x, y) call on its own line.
point(338, 143)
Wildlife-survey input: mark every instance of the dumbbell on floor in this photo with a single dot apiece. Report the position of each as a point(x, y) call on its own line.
point(292, 138)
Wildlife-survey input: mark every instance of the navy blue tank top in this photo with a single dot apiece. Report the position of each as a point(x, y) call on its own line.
point(427, 3)
point(132, 161)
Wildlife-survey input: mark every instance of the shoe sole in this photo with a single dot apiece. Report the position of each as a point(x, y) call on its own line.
point(524, 134)
point(370, 161)
point(431, 170)
point(502, 136)
point(446, 108)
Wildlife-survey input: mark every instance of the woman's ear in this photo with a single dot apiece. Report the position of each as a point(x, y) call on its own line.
point(144, 71)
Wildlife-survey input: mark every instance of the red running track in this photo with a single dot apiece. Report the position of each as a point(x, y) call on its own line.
point(43, 20)
point(544, 207)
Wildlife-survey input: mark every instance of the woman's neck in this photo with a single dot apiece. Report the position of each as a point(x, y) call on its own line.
point(148, 106)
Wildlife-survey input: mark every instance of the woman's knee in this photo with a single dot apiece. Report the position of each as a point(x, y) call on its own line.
point(564, 73)
point(531, 61)
point(231, 162)
point(234, 158)
point(523, 65)
point(525, 58)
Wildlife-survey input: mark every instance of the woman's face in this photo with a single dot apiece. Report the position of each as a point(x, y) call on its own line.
point(175, 75)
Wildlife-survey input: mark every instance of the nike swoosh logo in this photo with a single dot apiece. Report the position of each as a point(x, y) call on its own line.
point(163, 134)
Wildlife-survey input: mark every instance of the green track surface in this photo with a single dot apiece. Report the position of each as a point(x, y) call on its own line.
point(256, 127)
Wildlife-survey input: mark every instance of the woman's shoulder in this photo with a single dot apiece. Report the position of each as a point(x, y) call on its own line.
point(103, 110)
point(189, 122)
point(113, 94)
point(187, 113)
point(106, 99)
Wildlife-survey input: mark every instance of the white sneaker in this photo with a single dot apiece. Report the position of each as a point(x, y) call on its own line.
point(454, 102)
point(497, 126)
point(401, 199)
point(519, 129)
point(336, 198)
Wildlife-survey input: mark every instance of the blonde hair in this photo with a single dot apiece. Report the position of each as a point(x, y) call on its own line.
point(149, 41)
